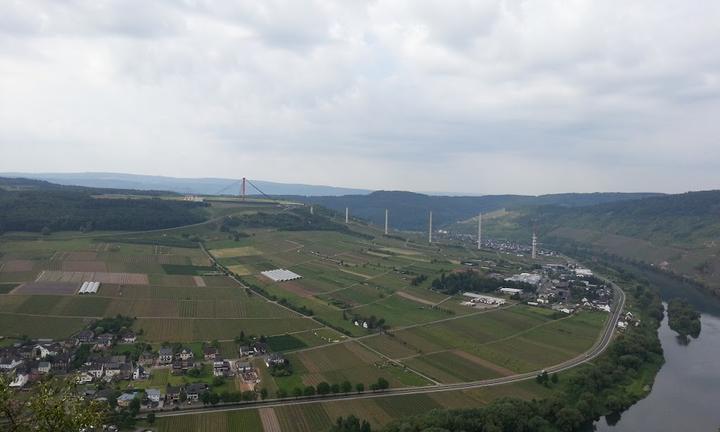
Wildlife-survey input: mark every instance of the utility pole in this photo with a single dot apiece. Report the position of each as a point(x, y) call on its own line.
point(242, 189)
point(430, 229)
point(386, 221)
point(534, 245)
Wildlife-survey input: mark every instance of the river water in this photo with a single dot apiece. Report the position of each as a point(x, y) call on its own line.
point(686, 393)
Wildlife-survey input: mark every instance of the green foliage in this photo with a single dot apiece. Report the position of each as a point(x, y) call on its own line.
point(350, 424)
point(47, 208)
point(51, 406)
point(683, 318)
point(113, 325)
point(473, 281)
point(285, 343)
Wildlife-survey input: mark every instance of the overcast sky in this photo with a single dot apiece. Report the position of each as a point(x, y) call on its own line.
point(462, 96)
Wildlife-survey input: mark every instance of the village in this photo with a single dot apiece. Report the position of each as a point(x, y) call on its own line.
point(101, 373)
point(564, 288)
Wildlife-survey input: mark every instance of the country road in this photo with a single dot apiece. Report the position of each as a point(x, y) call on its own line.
point(601, 344)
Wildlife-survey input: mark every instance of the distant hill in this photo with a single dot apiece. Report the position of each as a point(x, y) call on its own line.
point(409, 211)
point(35, 206)
point(200, 186)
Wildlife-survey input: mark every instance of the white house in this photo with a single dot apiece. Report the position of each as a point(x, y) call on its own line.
point(19, 381)
point(153, 395)
point(44, 367)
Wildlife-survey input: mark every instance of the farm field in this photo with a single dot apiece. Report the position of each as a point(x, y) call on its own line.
point(359, 312)
point(377, 411)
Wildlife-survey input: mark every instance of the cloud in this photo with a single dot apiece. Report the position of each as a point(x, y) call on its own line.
point(401, 95)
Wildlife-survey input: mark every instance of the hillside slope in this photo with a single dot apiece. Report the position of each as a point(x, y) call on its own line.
point(677, 233)
point(409, 211)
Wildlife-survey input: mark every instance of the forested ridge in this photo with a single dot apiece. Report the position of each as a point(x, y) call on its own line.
point(409, 211)
point(36, 206)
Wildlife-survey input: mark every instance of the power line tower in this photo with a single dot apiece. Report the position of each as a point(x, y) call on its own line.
point(242, 189)
point(430, 229)
point(386, 221)
point(534, 244)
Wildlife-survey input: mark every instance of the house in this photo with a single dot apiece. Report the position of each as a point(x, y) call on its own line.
point(124, 399)
point(245, 350)
point(210, 353)
point(153, 395)
point(61, 362)
point(147, 358)
point(172, 394)
point(42, 351)
point(10, 362)
point(104, 341)
point(19, 381)
point(193, 391)
point(185, 354)
point(221, 368)
point(84, 378)
point(165, 355)
point(95, 369)
point(139, 373)
point(85, 336)
point(179, 366)
point(129, 337)
point(44, 367)
point(274, 359)
point(259, 348)
point(112, 369)
point(243, 367)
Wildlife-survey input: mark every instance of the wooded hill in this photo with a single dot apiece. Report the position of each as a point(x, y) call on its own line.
point(37, 206)
point(409, 211)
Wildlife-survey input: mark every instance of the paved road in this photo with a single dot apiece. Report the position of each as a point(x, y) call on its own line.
point(601, 344)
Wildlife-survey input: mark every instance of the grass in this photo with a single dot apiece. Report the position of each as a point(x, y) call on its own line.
point(285, 343)
point(39, 327)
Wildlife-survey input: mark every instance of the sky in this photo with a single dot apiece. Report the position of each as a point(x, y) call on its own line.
point(475, 97)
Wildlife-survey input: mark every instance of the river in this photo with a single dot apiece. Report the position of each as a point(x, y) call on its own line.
point(686, 393)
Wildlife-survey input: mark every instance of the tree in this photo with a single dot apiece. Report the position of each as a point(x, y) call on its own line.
point(323, 388)
point(360, 387)
point(568, 419)
point(351, 424)
point(554, 378)
point(281, 394)
point(45, 231)
point(297, 392)
point(346, 387)
point(205, 398)
point(51, 406)
point(382, 383)
point(151, 418)
point(335, 388)
point(263, 393)
point(214, 398)
point(309, 391)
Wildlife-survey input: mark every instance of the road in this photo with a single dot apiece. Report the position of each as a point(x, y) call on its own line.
point(600, 345)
